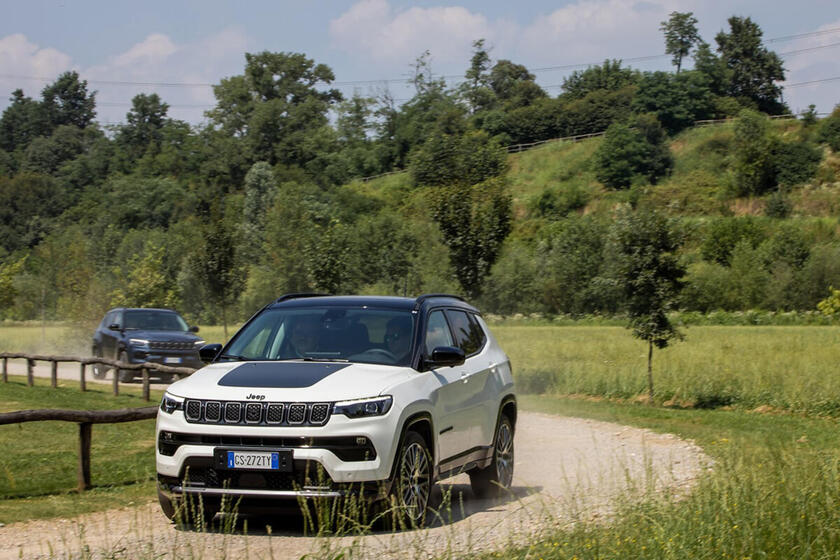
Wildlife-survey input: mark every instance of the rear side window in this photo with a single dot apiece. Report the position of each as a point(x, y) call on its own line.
point(468, 334)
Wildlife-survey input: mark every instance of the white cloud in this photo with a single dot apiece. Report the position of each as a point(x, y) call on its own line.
point(28, 62)
point(372, 28)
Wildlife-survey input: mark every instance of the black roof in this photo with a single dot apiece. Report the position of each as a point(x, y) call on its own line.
point(391, 302)
point(142, 309)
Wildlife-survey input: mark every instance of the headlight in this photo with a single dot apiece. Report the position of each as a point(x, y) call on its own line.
point(200, 343)
point(170, 404)
point(361, 408)
point(138, 341)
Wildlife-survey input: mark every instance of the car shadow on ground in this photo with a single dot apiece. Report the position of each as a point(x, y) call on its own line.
point(452, 503)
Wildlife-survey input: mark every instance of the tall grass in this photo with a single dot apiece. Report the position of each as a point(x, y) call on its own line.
point(773, 493)
point(788, 368)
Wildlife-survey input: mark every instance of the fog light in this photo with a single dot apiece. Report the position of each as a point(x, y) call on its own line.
point(361, 440)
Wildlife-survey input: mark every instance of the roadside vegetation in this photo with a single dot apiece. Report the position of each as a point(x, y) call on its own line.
point(40, 459)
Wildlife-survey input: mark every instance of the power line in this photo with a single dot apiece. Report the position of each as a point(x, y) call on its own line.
point(800, 35)
point(812, 82)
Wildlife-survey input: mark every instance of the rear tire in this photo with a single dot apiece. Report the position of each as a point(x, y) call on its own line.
point(126, 375)
point(496, 478)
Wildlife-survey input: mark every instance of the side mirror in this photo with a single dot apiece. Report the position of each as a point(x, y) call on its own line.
point(193, 328)
point(444, 356)
point(208, 352)
point(114, 327)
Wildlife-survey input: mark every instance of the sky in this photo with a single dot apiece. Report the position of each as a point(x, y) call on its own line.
point(179, 48)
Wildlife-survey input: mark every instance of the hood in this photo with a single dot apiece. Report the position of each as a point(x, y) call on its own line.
point(289, 381)
point(162, 336)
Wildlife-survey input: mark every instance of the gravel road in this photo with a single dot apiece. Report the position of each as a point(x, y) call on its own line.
point(566, 470)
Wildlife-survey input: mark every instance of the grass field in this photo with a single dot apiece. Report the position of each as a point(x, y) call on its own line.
point(773, 492)
point(39, 460)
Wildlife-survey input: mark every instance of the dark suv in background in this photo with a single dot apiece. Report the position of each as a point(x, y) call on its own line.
point(137, 335)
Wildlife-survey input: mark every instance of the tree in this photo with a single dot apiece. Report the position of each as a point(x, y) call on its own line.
point(446, 159)
point(22, 121)
point(607, 76)
point(680, 35)
point(514, 85)
point(67, 101)
point(144, 125)
point(476, 89)
point(650, 276)
point(753, 166)
point(677, 100)
point(215, 265)
point(633, 151)
point(754, 69)
point(474, 221)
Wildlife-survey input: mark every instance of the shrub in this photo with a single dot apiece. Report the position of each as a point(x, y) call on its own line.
point(723, 234)
point(778, 205)
point(795, 162)
point(633, 151)
point(753, 165)
point(829, 132)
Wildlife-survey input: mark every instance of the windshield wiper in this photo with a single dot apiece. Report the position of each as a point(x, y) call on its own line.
point(237, 358)
point(311, 359)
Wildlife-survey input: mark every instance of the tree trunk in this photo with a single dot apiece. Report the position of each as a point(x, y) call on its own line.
point(224, 320)
point(650, 369)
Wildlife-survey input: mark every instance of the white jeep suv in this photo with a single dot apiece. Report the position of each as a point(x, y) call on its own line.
point(325, 396)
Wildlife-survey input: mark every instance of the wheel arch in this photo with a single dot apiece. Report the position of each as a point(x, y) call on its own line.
point(423, 424)
point(509, 409)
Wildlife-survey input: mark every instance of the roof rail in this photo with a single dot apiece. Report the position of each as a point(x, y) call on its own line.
point(424, 297)
point(296, 295)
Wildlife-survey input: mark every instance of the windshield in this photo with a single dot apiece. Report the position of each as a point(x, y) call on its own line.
point(149, 320)
point(377, 336)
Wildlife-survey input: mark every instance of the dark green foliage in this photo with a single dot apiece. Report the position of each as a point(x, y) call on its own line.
point(572, 271)
point(680, 35)
point(474, 221)
point(555, 203)
point(778, 205)
point(632, 152)
point(145, 122)
point(513, 285)
point(513, 85)
point(753, 163)
point(476, 89)
point(829, 130)
point(446, 159)
point(677, 100)
point(596, 111)
point(723, 234)
point(67, 102)
point(609, 76)
point(28, 204)
point(787, 245)
point(754, 70)
point(795, 162)
point(22, 121)
point(650, 277)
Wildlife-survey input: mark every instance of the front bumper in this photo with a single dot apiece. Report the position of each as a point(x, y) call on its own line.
point(324, 461)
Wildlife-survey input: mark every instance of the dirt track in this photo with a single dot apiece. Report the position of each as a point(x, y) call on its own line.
point(566, 469)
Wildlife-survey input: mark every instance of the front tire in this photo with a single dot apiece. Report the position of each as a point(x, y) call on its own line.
point(126, 375)
point(412, 485)
point(496, 478)
point(99, 370)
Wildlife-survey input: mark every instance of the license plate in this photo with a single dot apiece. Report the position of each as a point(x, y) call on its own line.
point(172, 360)
point(254, 460)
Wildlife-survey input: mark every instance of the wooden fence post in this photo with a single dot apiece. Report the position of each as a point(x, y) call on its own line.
point(84, 456)
point(116, 381)
point(30, 373)
point(5, 370)
point(82, 380)
point(145, 384)
point(54, 374)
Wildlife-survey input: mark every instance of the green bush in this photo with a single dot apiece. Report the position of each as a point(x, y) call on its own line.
point(829, 131)
point(754, 173)
point(723, 234)
point(795, 162)
point(632, 152)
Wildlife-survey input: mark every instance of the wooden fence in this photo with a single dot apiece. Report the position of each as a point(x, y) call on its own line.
point(85, 419)
point(144, 369)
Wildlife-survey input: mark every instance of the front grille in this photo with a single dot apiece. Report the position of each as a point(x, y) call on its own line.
point(232, 412)
point(297, 413)
point(305, 474)
point(212, 411)
point(193, 410)
point(163, 345)
point(256, 413)
point(274, 414)
point(318, 413)
point(346, 448)
point(253, 412)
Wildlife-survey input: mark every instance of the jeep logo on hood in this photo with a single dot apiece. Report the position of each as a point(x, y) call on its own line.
point(253, 397)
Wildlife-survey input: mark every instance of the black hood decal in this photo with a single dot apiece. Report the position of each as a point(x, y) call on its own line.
point(279, 375)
